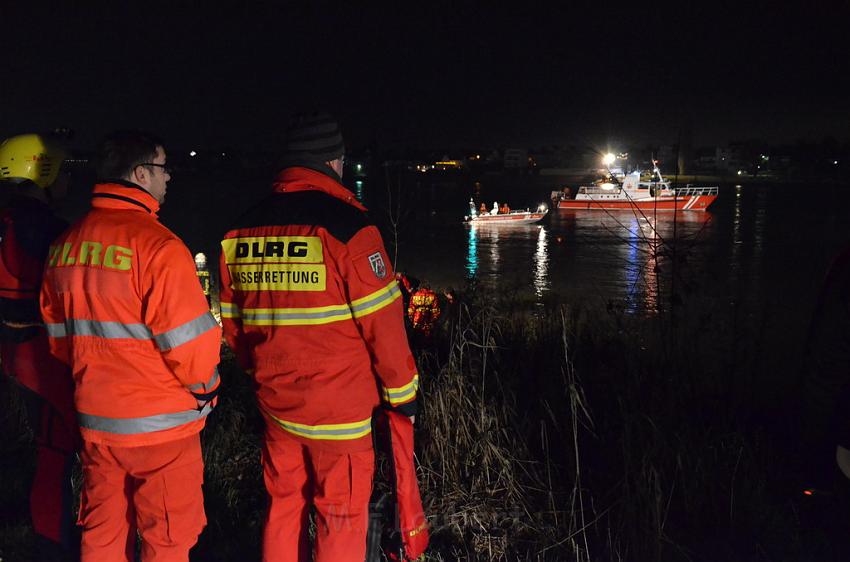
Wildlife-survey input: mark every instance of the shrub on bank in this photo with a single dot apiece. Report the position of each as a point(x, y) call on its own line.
point(546, 433)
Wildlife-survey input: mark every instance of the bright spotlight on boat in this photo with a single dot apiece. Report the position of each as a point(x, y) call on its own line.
point(608, 159)
point(193, 153)
point(541, 207)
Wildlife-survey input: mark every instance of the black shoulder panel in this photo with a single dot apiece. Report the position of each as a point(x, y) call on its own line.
point(310, 208)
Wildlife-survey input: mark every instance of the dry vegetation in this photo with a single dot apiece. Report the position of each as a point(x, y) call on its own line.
point(546, 433)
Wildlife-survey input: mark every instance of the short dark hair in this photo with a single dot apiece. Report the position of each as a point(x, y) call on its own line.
point(120, 153)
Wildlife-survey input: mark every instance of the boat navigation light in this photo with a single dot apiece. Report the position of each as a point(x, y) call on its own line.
point(541, 207)
point(608, 159)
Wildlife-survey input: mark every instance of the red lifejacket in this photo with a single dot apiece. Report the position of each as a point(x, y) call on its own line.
point(423, 310)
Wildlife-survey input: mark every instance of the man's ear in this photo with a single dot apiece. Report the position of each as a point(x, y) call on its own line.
point(139, 175)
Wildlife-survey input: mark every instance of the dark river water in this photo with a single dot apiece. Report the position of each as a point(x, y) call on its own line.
point(755, 260)
point(758, 244)
point(763, 248)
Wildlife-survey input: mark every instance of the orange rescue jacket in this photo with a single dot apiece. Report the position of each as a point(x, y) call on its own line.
point(309, 302)
point(123, 308)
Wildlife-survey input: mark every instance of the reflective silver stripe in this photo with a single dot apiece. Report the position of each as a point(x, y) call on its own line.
point(149, 424)
point(330, 432)
point(250, 315)
point(208, 384)
point(229, 310)
point(55, 330)
point(185, 333)
point(363, 306)
point(317, 433)
point(403, 393)
point(108, 330)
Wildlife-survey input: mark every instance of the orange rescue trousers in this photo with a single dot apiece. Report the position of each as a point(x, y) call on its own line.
point(48, 393)
point(155, 489)
point(337, 483)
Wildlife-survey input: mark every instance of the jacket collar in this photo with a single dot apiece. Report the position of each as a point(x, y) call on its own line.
point(123, 195)
point(295, 179)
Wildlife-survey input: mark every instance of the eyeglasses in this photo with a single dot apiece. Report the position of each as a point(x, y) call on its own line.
point(164, 167)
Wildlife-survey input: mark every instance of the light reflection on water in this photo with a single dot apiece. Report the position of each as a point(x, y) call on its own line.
point(527, 247)
point(739, 250)
point(641, 267)
point(472, 253)
point(633, 267)
point(646, 243)
point(483, 251)
point(590, 254)
point(541, 264)
point(737, 239)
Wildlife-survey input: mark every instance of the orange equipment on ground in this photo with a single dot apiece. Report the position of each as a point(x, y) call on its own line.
point(409, 535)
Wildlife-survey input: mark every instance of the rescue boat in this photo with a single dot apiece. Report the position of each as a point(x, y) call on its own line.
point(653, 195)
point(512, 218)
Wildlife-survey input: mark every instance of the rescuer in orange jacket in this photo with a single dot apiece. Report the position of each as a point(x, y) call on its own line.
point(123, 308)
point(29, 182)
point(407, 285)
point(310, 305)
point(423, 311)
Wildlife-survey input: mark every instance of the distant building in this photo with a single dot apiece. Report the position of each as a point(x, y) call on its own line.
point(515, 159)
point(444, 165)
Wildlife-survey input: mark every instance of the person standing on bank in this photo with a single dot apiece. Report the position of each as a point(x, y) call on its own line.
point(311, 308)
point(123, 308)
point(29, 182)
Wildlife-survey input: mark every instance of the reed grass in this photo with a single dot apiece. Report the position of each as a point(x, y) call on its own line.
point(555, 432)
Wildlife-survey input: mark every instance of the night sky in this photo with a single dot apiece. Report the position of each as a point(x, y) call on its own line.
point(430, 74)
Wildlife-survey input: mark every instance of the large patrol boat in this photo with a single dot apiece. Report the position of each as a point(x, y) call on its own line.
point(634, 193)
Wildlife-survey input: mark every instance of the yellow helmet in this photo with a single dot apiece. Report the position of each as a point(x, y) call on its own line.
point(31, 157)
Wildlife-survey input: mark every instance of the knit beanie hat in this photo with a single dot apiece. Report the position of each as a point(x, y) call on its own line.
point(313, 137)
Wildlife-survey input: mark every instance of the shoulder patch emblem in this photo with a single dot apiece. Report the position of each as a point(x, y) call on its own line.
point(376, 261)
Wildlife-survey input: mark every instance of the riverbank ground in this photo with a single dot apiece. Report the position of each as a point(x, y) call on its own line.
point(552, 432)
